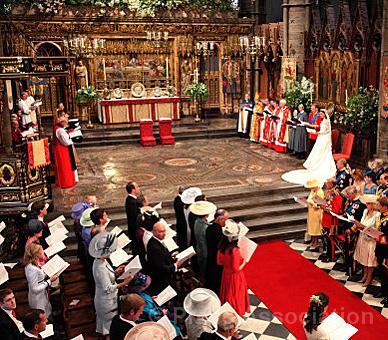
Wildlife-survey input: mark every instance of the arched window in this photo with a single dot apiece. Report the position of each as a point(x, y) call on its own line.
point(48, 49)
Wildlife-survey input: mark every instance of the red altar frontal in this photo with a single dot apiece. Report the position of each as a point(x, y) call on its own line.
point(133, 110)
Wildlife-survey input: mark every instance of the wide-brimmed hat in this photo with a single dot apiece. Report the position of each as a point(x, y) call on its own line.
point(78, 209)
point(34, 226)
point(86, 220)
point(202, 208)
point(201, 302)
point(231, 230)
point(312, 183)
point(368, 198)
point(139, 283)
point(147, 331)
point(102, 245)
point(188, 196)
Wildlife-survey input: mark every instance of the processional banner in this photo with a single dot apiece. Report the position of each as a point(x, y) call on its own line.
point(288, 73)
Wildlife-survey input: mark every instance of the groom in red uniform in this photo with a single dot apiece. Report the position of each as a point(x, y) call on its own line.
point(65, 165)
point(314, 119)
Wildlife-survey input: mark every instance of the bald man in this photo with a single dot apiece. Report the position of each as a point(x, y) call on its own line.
point(160, 262)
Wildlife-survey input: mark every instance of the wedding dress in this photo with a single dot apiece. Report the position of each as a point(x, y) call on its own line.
point(320, 163)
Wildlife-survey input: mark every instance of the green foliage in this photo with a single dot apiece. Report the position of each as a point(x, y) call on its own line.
point(300, 92)
point(142, 7)
point(362, 111)
point(87, 95)
point(197, 91)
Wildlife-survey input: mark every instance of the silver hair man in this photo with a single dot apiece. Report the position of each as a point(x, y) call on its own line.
point(227, 324)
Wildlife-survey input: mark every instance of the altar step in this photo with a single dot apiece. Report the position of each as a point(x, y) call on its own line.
point(268, 213)
point(103, 140)
point(185, 129)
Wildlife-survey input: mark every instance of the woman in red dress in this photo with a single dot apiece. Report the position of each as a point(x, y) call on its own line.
point(234, 287)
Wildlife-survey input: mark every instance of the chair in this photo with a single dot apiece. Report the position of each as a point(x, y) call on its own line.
point(334, 139)
point(165, 131)
point(347, 146)
point(146, 132)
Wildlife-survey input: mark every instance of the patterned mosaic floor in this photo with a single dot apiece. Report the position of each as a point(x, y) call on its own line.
point(214, 164)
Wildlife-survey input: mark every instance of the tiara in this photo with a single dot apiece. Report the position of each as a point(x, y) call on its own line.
point(316, 299)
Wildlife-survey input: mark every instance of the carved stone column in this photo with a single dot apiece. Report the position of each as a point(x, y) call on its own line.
point(295, 21)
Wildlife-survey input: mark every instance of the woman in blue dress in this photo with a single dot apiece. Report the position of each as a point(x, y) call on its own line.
point(370, 187)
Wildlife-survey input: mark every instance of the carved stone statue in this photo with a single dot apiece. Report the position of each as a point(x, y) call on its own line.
point(81, 75)
point(186, 73)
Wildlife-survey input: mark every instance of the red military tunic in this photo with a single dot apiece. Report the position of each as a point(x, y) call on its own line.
point(314, 119)
point(334, 201)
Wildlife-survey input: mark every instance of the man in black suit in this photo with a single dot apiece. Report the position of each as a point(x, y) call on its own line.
point(181, 225)
point(131, 307)
point(34, 322)
point(132, 209)
point(213, 237)
point(160, 262)
point(9, 329)
point(226, 328)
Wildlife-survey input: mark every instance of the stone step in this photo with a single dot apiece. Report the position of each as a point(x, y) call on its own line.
point(284, 233)
point(235, 197)
point(92, 135)
point(261, 227)
point(135, 127)
point(276, 221)
point(135, 139)
point(241, 209)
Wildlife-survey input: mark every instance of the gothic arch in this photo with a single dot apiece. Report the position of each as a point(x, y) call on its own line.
point(48, 49)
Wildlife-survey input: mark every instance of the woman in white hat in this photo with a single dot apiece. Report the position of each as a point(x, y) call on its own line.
point(105, 299)
point(314, 214)
point(234, 287)
point(202, 209)
point(189, 196)
point(148, 331)
point(366, 245)
point(200, 304)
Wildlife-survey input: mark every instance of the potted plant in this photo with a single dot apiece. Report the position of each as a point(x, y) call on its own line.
point(360, 118)
point(300, 92)
point(87, 97)
point(361, 112)
point(198, 93)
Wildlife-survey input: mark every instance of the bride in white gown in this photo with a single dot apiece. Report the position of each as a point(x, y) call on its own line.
point(320, 163)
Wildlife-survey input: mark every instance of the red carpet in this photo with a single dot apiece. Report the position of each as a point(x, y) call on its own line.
point(284, 280)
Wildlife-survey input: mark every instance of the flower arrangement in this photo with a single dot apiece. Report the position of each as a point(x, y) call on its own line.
point(87, 95)
point(300, 92)
point(197, 91)
point(362, 110)
point(49, 6)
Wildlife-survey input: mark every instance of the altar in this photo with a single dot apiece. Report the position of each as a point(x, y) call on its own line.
point(130, 110)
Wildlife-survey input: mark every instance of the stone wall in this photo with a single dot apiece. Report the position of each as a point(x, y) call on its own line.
point(296, 14)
